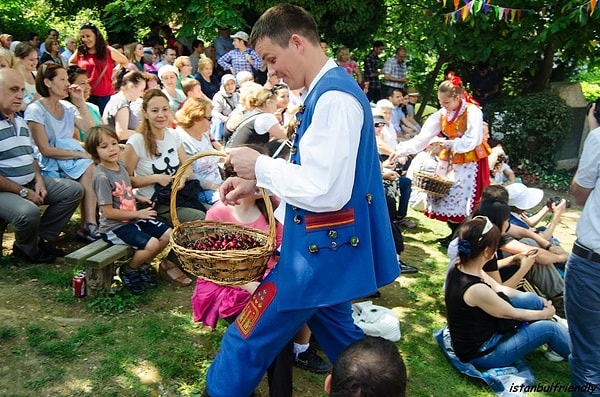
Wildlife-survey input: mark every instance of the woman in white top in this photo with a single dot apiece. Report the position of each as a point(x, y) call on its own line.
point(193, 122)
point(27, 60)
point(52, 121)
point(152, 157)
point(169, 77)
point(258, 124)
point(117, 114)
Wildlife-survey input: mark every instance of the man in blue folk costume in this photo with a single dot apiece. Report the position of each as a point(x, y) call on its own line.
point(337, 241)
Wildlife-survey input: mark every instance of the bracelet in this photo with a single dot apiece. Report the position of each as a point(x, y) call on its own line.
point(213, 140)
point(550, 244)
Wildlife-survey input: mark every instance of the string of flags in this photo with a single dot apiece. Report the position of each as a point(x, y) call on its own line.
point(473, 7)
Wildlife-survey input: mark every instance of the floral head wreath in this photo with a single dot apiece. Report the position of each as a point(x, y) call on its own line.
point(457, 82)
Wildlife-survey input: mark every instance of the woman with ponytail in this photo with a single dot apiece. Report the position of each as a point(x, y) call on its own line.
point(464, 158)
point(492, 325)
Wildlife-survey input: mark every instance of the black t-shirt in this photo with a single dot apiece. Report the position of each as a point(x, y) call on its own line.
point(470, 327)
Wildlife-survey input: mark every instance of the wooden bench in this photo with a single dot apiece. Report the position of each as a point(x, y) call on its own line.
point(98, 258)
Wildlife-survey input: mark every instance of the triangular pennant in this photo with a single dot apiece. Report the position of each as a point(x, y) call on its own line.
point(506, 12)
point(512, 15)
point(456, 4)
point(518, 15)
point(500, 12)
point(464, 12)
point(593, 4)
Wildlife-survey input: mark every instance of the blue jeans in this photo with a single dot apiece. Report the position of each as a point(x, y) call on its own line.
point(405, 188)
point(582, 303)
point(528, 338)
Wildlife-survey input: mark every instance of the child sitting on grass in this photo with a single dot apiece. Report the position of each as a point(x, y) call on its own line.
point(120, 221)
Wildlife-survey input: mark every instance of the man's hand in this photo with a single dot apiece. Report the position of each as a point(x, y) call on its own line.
point(243, 160)
point(236, 188)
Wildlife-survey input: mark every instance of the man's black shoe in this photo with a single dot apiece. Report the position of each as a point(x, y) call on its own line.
point(50, 248)
point(377, 294)
point(310, 361)
point(445, 242)
point(40, 257)
point(407, 269)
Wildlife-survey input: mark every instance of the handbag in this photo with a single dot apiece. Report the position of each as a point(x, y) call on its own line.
point(186, 197)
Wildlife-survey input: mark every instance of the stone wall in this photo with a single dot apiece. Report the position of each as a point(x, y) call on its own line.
point(573, 96)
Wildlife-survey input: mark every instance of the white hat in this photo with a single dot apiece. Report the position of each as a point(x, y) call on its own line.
point(167, 68)
point(240, 35)
point(523, 197)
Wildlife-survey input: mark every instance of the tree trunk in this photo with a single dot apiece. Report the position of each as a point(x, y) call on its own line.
point(442, 59)
point(542, 79)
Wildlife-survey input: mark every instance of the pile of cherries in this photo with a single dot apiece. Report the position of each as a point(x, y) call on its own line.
point(223, 242)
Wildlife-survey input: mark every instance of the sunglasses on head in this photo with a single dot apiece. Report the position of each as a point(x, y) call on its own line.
point(379, 124)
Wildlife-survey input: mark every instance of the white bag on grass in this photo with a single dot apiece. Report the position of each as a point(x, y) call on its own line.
point(376, 320)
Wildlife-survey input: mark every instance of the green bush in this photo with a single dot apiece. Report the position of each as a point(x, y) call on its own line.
point(532, 128)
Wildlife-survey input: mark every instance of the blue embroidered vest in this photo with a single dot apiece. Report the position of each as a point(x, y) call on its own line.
point(333, 257)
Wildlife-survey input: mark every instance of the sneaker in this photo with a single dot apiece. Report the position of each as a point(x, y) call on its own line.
point(132, 280)
point(41, 256)
point(553, 356)
point(311, 361)
point(407, 269)
point(405, 222)
point(146, 274)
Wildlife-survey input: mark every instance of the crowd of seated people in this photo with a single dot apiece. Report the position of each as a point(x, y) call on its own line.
point(166, 106)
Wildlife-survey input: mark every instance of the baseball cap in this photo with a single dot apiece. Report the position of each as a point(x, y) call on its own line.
point(240, 35)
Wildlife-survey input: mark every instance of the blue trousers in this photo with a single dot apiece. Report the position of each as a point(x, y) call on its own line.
point(582, 303)
point(528, 338)
point(261, 331)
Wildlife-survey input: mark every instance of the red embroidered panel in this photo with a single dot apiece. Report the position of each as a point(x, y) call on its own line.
point(255, 308)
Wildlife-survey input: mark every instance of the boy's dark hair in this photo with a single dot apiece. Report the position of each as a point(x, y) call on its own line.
point(369, 367)
point(495, 192)
point(93, 136)
point(280, 22)
point(377, 43)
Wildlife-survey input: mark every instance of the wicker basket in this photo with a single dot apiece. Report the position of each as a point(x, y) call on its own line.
point(232, 267)
point(431, 184)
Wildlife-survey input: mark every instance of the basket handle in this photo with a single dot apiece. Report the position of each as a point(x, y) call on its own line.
point(180, 173)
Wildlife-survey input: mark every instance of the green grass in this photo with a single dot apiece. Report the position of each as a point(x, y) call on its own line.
point(148, 345)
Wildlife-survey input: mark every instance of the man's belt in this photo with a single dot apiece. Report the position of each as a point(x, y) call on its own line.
point(586, 253)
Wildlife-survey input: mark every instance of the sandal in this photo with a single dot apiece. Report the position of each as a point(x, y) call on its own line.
point(172, 273)
point(88, 233)
point(131, 279)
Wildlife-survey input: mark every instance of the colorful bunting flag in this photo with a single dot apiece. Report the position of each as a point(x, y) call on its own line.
point(474, 7)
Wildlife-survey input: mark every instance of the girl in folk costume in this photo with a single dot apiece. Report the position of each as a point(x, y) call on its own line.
point(464, 158)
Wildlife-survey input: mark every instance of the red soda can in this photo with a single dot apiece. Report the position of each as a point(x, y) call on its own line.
point(79, 285)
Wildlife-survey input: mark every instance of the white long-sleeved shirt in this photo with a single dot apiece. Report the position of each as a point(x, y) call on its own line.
point(329, 149)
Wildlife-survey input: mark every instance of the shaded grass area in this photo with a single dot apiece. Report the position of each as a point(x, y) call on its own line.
point(53, 344)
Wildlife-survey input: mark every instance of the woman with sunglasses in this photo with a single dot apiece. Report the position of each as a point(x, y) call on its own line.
point(193, 126)
point(98, 59)
point(492, 325)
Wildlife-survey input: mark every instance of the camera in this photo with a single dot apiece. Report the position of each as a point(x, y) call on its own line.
point(556, 200)
point(596, 112)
